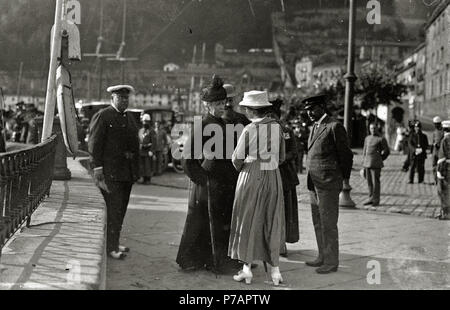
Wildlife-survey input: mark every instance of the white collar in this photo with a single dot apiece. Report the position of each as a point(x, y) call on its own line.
point(321, 119)
point(115, 108)
point(258, 119)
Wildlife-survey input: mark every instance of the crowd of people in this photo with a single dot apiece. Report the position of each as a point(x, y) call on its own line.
point(20, 124)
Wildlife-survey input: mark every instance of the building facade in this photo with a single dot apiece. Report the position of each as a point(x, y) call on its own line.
point(437, 77)
point(411, 72)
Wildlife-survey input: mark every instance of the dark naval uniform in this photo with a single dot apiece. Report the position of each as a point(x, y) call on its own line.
point(195, 249)
point(114, 145)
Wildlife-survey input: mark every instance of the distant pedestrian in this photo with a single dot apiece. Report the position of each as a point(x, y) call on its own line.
point(438, 135)
point(160, 148)
point(406, 149)
point(257, 225)
point(147, 141)
point(375, 151)
point(443, 172)
point(418, 146)
point(301, 134)
point(114, 149)
point(330, 162)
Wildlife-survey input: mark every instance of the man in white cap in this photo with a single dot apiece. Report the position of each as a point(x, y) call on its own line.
point(443, 171)
point(438, 134)
point(114, 149)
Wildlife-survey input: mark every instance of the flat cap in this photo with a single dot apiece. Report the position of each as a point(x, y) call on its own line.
point(120, 89)
point(446, 124)
point(314, 100)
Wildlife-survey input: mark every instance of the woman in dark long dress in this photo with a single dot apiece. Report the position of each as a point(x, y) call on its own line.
point(288, 171)
point(213, 177)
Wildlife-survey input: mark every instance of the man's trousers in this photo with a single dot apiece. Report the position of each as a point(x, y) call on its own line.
point(325, 213)
point(116, 207)
point(373, 183)
point(419, 164)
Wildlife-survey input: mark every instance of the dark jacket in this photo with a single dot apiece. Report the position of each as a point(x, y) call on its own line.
point(114, 137)
point(288, 170)
point(418, 141)
point(330, 158)
point(147, 141)
point(375, 151)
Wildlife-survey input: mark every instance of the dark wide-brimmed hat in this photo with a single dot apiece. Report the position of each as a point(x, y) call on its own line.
point(310, 102)
point(215, 92)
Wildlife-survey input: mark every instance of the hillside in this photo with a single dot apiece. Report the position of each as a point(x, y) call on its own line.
point(157, 32)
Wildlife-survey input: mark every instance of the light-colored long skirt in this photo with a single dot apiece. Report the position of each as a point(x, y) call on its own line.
point(257, 225)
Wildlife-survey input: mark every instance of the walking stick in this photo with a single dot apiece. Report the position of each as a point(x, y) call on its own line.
point(211, 229)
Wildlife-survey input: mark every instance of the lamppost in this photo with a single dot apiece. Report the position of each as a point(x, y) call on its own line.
point(344, 198)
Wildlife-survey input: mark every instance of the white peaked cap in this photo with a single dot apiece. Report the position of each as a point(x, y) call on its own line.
point(146, 117)
point(116, 88)
point(437, 119)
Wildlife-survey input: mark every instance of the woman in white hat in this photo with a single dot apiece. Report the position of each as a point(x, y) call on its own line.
point(257, 227)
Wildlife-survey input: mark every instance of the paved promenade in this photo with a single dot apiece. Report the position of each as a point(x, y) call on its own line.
point(64, 246)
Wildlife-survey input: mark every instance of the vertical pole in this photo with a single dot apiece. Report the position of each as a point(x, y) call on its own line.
point(122, 69)
point(203, 61)
point(50, 98)
point(19, 81)
point(345, 200)
point(100, 78)
point(350, 77)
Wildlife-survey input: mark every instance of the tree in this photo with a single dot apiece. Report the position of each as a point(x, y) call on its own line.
point(377, 86)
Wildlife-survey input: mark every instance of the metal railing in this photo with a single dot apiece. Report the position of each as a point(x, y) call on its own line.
point(25, 179)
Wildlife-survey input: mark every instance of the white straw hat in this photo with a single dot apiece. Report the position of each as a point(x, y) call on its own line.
point(446, 124)
point(255, 99)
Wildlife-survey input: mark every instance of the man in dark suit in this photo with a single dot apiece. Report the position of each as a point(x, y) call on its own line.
point(375, 151)
point(418, 145)
point(330, 162)
point(114, 149)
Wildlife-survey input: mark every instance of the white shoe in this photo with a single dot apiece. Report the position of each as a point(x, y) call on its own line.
point(117, 255)
point(124, 249)
point(243, 276)
point(277, 278)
